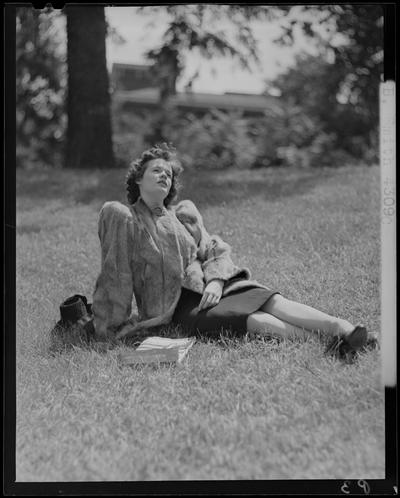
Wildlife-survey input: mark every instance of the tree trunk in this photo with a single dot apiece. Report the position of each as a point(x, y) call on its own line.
point(167, 69)
point(89, 134)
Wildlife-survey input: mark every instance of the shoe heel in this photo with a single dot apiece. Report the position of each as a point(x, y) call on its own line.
point(356, 340)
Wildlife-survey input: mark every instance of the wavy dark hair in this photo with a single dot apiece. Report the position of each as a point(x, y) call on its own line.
point(137, 168)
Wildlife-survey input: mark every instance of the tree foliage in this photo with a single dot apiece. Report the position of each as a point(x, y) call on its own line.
point(40, 86)
point(338, 88)
point(197, 28)
point(329, 102)
point(351, 44)
point(217, 140)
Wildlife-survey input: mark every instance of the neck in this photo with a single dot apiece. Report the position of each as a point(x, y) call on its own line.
point(151, 202)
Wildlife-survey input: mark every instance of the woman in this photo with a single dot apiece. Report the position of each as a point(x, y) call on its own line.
point(178, 273)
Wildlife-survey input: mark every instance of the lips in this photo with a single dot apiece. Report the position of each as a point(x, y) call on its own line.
point(163, 183)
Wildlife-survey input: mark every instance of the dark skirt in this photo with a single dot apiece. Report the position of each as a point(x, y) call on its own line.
point(229, 315)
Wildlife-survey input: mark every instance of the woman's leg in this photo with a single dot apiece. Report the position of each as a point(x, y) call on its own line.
point(267, 324)
point(304, 316)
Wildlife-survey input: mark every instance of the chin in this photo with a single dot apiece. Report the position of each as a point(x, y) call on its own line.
point(163, 196)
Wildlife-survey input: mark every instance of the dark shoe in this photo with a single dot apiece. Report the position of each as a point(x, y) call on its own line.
point(345, 347)
point(354, 341)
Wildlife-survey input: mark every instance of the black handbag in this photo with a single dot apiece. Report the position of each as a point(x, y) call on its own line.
point(76, 310)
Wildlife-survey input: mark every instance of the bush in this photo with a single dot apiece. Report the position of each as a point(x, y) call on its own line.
point(321, 152)
point(40, 87)
point(287, 136)
point(217, 140)
point(130, 130)
point(293, 138)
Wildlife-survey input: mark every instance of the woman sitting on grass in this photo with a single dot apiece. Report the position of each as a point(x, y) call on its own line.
point(163, 256)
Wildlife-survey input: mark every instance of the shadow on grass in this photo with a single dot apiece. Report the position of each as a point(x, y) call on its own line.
point(79, 186)
point(205, 188)
point(230, 187)
point(62, 338)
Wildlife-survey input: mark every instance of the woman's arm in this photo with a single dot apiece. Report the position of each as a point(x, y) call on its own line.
point(112, 298)
point(213, 253)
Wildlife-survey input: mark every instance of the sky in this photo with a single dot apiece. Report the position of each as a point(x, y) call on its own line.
point(143, 32)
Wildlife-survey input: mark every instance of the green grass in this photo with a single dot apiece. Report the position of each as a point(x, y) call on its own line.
point(236, 409)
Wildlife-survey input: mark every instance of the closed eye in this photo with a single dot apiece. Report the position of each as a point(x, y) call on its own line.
point(167, 172)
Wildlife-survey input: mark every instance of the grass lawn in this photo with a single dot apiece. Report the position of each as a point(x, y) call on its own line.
point(236, 409)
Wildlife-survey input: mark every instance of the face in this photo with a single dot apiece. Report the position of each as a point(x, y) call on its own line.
point(157, 179)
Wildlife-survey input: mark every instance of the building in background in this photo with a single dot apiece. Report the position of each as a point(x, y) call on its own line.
point(134, 87)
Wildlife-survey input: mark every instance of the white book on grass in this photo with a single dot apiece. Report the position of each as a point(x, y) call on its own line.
point(158, 350)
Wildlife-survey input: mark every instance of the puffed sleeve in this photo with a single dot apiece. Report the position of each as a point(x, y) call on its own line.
point(217, 262)
point(213, 253)
point(112, 297)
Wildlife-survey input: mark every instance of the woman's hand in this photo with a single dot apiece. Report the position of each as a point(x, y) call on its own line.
point(212, 294)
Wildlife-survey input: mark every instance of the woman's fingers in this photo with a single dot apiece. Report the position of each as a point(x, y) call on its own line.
point(212, 294)
point(204, 301)
point(208, 300)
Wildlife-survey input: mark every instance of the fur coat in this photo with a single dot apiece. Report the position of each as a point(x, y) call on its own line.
point(151, 258)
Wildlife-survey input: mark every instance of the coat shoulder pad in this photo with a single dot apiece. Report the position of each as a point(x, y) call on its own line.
point(115, 208)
